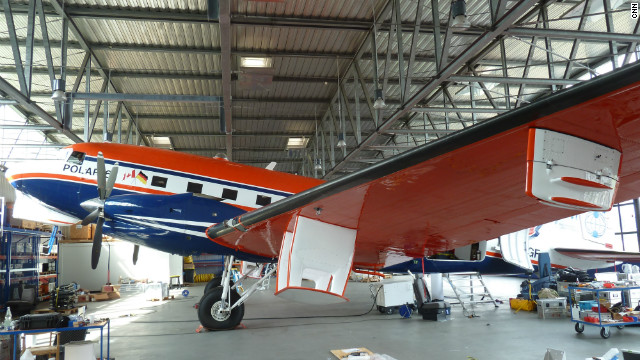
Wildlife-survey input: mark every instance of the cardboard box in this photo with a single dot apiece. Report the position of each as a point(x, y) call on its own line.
point(84, 298)
point(107, 288)
point(80, 233)
point(99, 297)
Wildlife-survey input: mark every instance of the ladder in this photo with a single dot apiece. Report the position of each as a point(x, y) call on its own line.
point(470, 290)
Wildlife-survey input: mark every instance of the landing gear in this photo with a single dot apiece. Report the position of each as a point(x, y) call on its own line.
point(215, 313)
point(221, 307)
point(214, 283)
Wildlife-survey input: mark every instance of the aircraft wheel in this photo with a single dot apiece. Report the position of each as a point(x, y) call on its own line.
point(579, 328)
point(212, 317)
point(605, 332)
point(214, 283)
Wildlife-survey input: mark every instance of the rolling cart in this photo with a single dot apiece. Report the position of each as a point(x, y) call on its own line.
point(587, 316)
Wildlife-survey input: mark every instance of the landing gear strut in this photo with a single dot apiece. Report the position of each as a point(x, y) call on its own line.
point(222, 308)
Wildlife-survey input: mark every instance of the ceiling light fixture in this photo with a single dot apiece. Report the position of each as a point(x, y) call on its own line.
point(256, 62)
point(58, 90)
point(297, 143)
point(459, 14)
point(341, 143)
point(162, 142)
point(379, 103)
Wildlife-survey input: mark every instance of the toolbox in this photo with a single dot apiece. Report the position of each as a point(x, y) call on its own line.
point(42, 321)
point(435, 311)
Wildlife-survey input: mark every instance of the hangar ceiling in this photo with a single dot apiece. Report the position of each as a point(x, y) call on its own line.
point(168, 74)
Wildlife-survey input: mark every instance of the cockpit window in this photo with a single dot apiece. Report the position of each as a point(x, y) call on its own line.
point(76, 157)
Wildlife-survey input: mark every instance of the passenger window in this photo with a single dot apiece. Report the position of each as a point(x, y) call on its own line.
point(229, 194)
point(195, 188)
point(159, 181)
point(263, 200)
point(76, 157)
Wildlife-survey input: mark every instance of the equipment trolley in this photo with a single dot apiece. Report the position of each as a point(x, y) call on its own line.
point(596, 313)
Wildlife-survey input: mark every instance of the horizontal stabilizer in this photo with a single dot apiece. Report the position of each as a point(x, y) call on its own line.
point(599, 255)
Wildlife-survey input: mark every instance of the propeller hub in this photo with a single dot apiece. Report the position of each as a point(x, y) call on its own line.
point(92, 204)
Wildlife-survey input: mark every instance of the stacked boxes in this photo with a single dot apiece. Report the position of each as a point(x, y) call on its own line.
point(552, 308)
point(633, 298)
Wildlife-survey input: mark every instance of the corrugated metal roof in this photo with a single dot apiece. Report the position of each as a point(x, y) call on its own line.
point(169, 47)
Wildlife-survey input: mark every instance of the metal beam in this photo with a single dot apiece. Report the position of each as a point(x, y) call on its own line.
point(31, 106)
point(574, 34)
point(458, 109)
point(501, 25)
point(13, 39)
point(299, 79)
point(225, 63)
point(110, 13)
point(145, 97)
point(31, 24)
point(33, 146)
point(26, 127)
point(61, 11)
point(418, 131)
point(414, 47)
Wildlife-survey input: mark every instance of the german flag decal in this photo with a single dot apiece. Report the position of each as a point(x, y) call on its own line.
point(142, 177)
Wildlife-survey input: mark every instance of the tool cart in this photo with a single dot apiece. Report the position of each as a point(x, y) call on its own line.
point(598, 312)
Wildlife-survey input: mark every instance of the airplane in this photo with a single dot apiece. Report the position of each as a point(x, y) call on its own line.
point(562, 239)
point(573, 151)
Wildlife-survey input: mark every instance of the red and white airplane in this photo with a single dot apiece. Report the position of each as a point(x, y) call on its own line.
point(574, 151)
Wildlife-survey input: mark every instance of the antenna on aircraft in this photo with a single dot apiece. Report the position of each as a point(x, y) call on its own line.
point(221, 156)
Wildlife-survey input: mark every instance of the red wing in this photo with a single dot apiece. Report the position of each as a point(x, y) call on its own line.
point(600, 255)
point(464, 188)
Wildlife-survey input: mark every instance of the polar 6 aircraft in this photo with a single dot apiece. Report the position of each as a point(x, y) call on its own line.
point(574, 151)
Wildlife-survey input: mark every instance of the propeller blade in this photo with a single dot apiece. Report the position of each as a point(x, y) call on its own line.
point(101, 176)
point(91, 217)
point(97, 243)
point(112, 180)
point(136, 248)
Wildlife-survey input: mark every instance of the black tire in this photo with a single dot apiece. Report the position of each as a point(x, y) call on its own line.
point(605, 332)
point(381, 309)
point(214, 283)
point(579, 328)
point(213, 321)
point(389, 311)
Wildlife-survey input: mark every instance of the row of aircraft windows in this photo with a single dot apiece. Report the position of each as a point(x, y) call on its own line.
point(196, 188)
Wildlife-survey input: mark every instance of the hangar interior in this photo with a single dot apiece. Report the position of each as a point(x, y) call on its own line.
point(319, 88)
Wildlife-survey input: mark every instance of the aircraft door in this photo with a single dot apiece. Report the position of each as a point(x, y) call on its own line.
point(515, 249)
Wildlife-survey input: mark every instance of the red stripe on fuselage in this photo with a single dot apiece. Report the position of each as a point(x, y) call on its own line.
point(200, 165)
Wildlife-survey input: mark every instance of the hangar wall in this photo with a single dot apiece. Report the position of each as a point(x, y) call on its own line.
point(75, 264)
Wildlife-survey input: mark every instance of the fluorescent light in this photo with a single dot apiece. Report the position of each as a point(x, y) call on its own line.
point(255, 62)
point(161, 142)
point(297, 143)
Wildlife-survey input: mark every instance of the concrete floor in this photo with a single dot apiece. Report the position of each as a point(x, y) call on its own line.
point(167, 330)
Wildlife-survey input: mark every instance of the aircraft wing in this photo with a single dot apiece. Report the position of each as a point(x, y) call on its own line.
point(469, 186)
point(600, 255)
